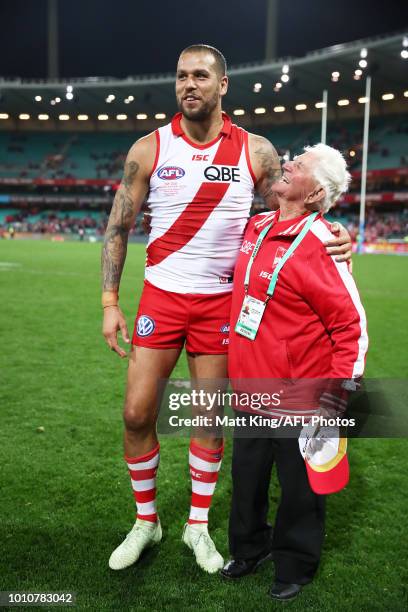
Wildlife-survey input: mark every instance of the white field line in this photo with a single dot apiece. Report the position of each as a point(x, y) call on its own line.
point(19, 268)
point(9, 265)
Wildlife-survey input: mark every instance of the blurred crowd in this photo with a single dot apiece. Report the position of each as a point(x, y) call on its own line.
point(53, 224)
point(379, 225)
point(64, 224)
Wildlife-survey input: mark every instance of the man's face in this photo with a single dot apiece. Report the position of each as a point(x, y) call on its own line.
point(297, 180)
point(199, 87)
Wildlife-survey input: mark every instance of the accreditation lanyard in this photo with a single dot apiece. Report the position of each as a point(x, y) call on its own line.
point(252, 309)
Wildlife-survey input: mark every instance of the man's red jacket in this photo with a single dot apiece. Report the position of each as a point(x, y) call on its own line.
point(314, 326)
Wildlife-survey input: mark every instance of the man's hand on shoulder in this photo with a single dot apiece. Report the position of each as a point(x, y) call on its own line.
point(266, 166)
point(340, 246)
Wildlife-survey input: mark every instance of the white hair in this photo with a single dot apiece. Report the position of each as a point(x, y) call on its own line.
point(331, 173)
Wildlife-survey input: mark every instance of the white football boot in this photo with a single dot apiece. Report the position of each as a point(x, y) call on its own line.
point(198, 539)
point(144, 534)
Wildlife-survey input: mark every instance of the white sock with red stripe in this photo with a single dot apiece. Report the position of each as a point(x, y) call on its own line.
point(143, 472)
point(205, 464)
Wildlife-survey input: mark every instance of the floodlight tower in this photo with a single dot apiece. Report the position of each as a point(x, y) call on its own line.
point(52, 19)
point(271, 40)
point(361, 231)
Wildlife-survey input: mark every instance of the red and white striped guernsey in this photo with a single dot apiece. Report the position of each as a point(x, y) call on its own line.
point(199, 199)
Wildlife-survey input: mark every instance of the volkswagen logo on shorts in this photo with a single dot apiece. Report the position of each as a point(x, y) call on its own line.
point(145, 326)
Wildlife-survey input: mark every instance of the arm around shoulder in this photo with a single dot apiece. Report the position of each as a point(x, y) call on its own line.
point(266, 167)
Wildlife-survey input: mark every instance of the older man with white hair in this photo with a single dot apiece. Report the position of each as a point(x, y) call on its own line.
point(296, 314)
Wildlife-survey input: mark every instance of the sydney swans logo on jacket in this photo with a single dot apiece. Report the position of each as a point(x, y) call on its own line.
point(280, 251)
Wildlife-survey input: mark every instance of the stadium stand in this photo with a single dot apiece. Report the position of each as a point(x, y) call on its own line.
point(60, 177)
point(101, 155)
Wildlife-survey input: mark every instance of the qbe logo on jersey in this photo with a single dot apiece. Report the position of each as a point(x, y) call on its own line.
point(170, 173)
point(145, 326)
point(222, 174)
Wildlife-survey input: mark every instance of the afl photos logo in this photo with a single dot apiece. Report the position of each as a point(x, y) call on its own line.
point(170, 173)
point(145, 326)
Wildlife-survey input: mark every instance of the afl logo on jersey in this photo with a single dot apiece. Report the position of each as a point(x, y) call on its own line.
point(170, 173)
point(225, 328)
point(145, 326)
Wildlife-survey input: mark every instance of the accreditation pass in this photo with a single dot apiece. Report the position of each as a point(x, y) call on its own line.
point(250, 317)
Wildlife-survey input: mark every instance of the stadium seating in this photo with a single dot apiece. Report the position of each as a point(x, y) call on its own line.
point(101, 155)
point(61, 155)
point(25, 155)
point(97, 155)
point(387, 147)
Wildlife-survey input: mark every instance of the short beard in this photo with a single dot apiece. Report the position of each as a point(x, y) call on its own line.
point(203, 113)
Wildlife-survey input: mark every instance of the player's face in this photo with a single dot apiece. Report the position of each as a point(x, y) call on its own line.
point(297, 180)
point(199, 87)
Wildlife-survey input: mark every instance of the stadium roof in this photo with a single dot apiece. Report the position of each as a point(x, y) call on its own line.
point(252, 86)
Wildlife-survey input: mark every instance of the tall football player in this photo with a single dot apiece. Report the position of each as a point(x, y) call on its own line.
point(198, 174)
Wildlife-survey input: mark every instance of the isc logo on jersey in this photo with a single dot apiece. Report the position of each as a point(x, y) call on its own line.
point(222, 174)
point(145, 326)
point(170, 173)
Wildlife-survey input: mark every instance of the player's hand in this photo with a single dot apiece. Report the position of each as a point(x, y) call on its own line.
point(340, 246)
point(147, 222)
point(114, 321)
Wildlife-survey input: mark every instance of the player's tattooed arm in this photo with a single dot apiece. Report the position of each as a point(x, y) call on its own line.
point(127, 204)
point(120, 222)
point(266, 166)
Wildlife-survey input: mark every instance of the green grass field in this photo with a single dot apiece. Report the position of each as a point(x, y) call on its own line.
point(66, 500)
